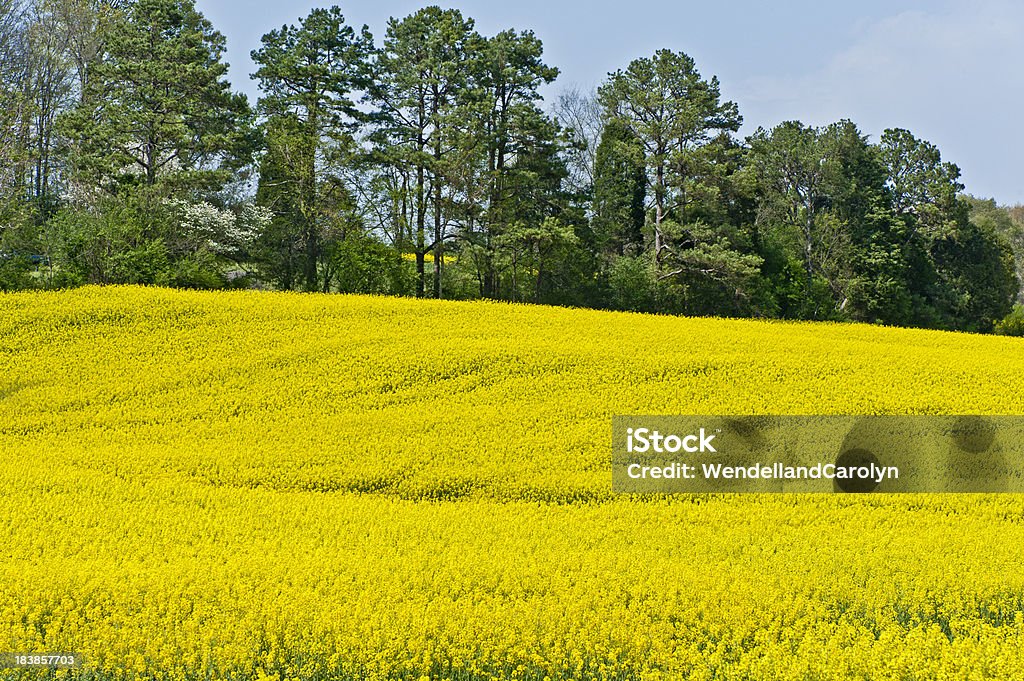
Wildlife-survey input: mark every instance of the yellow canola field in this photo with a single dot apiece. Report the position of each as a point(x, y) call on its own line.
point(256, 485)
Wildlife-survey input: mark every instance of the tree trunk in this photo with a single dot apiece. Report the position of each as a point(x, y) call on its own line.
point(421, 205)
point(312, 236)
point(659, 213)
point(421, 237)
point(438, 241)
point(540, 276)
point(488, 285)
point(809, 252)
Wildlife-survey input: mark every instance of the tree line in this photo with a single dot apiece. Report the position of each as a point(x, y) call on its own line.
point(427, 163)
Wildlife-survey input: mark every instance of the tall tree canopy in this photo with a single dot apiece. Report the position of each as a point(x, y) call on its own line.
point(423, 94)
point(620, 188)
point(311, 75)
point(682, 126)
point(156, 107)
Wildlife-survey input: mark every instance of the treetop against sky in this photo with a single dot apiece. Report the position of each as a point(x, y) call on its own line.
point(947, 70)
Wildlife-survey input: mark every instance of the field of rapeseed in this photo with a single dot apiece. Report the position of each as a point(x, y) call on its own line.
point(254, 485)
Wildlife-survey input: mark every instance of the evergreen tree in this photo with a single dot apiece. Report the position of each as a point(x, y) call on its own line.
point(683, 126)
point(510, 72)
point(422, 94)
point(963, 274)
point(823, 200)
point(156, 108)
point(620, 185)
point(311, 75)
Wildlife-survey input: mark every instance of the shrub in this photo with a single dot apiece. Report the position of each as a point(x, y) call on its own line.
point(1013, 323)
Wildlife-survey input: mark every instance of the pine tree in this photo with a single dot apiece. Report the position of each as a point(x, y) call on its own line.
point(156, 108)
point(620, 185)
point(311, 75)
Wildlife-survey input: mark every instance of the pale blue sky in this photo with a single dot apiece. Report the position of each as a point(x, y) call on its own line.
point(952, 72)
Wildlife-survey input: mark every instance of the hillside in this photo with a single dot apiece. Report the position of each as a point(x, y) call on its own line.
point(300, 486)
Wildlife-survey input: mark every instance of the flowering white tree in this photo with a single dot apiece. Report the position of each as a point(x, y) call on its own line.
point(223, 232)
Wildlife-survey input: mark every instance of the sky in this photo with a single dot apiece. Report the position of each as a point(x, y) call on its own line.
point(950, 72)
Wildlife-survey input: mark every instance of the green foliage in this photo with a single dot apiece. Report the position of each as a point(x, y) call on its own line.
point(1008, 224)
point(620, 185)
point(108, 244)
point(156, 107)
point(683, 131)
point(312, 71)
point(22, 254)
point(922, 186)
point(883, 226)
point(535, 253)
point(16, 272)
point(824, 199)
point(426, 99)
point(136, 237)
point(363, 264)
point(714, 271)
point(124, 158)
point(962, 271)
point(1013, 323)
point(520, 159)
point(977, 265)
point(105, 249)
point(633, 285)
point(310, 75)
point(197, 270)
